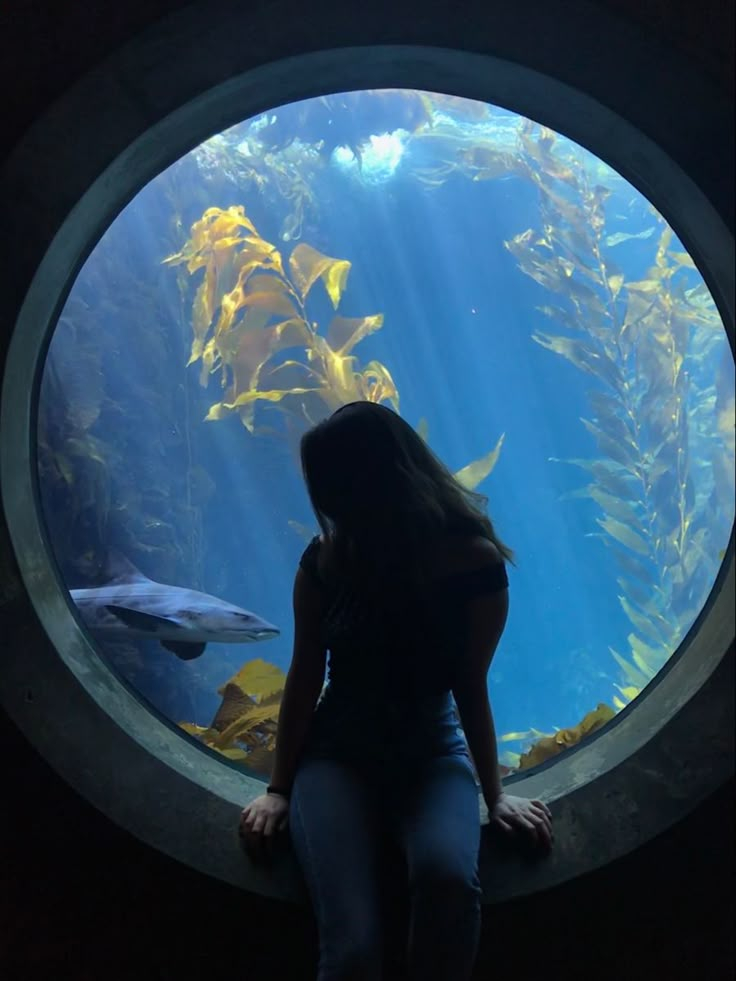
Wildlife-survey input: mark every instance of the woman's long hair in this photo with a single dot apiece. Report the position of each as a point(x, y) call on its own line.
point(381, 496)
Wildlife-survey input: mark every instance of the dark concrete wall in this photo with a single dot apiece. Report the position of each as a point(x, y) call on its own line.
point(81, 899)
point(45, 45)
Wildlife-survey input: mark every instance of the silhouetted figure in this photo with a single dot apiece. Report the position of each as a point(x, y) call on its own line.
point(406, 588)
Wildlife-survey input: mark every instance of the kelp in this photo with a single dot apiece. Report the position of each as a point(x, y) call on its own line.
point(244, 727)
point(643, 340)
point(237, 161)
point(451, 149)
point(664, 478)
point(251, 307)
point(101, 483)
point(542, 746)
point(552, 745)
point(474, 473)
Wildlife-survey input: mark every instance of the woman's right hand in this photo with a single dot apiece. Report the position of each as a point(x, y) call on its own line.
point(518, 816)
point(260, 821)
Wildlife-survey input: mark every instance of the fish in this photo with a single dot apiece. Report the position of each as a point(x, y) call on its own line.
point(183, 620)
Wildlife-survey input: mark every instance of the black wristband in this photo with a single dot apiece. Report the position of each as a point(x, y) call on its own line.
point(270, 789)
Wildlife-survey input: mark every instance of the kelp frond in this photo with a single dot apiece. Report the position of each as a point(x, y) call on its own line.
point(549, 746)
point(651, 418)
point(244, 726)
point(248, 309)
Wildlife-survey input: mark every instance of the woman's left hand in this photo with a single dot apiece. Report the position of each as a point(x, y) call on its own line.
point(522, 817)
point(260, 821)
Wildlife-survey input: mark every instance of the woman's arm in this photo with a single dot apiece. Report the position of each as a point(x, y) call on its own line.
point(304, 681)
point(487, 619)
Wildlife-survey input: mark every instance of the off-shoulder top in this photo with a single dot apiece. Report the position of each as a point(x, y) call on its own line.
point(413, 649)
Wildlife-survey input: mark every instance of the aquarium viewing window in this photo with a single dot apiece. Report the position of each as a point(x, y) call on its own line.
point(512, 296)
point(240, 262)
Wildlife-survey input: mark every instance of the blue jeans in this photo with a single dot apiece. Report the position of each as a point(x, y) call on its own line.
point(417, 787)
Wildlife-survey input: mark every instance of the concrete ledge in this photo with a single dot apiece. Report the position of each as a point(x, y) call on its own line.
point(191, 76)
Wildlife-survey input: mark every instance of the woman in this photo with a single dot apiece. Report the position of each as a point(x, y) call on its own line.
point(407, 589)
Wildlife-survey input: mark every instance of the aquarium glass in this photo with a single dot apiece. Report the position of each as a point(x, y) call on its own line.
point(513, 297)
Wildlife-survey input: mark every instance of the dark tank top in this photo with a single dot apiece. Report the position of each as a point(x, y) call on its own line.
point(407, 650)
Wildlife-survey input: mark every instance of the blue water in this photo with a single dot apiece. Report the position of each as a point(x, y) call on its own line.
point(457, 339)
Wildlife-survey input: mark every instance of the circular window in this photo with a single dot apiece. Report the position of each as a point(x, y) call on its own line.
point(526, 309)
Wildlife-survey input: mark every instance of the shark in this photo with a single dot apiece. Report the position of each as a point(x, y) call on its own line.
point(183, 620)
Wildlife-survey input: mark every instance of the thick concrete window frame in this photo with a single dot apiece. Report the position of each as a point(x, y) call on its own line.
point(641, 774)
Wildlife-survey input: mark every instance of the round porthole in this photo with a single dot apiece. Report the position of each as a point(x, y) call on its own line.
point(517, 299)
point(512, 296)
